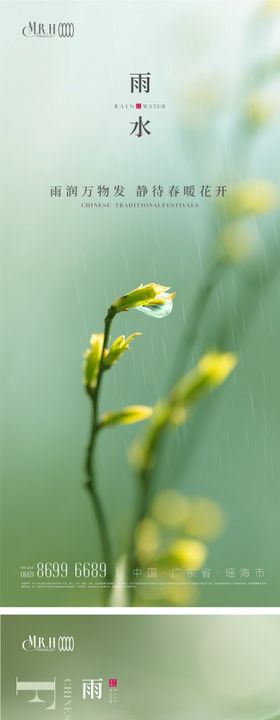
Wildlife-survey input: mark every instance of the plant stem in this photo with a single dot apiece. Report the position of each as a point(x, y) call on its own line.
point(108, 322)
point(189, 335)
point(140, 514)
point(191, 331)
point(94, 395)
point(146, 475)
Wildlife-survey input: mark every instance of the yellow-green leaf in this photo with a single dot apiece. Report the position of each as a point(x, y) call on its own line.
point(92, 358)
point(126, 416)
point(143, 296)
point(118, 348)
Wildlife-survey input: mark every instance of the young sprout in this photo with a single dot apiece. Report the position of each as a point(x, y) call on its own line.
point(151, 299)
point(155, 300)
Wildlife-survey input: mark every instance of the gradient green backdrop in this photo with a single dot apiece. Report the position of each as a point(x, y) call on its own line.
point(63, 265)
point(219, 668)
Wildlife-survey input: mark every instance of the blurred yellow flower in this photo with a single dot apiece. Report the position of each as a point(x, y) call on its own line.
point(216, 367)
point(252, 197)
point(271, 5)
point(212, 370)
point(239, 239)
point(188, 554)
point(259, 110)
point(206, 519)
point(170, 508)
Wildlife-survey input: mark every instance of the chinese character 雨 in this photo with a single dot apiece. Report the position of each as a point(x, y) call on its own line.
point(139, 82)
point(92, 689)
point(56, 191)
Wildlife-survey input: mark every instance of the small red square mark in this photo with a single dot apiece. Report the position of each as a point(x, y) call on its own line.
point(113, 682)
point(138, 106)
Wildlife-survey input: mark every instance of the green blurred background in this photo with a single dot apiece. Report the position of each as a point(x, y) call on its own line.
point(63, 265)
point(222, 668)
